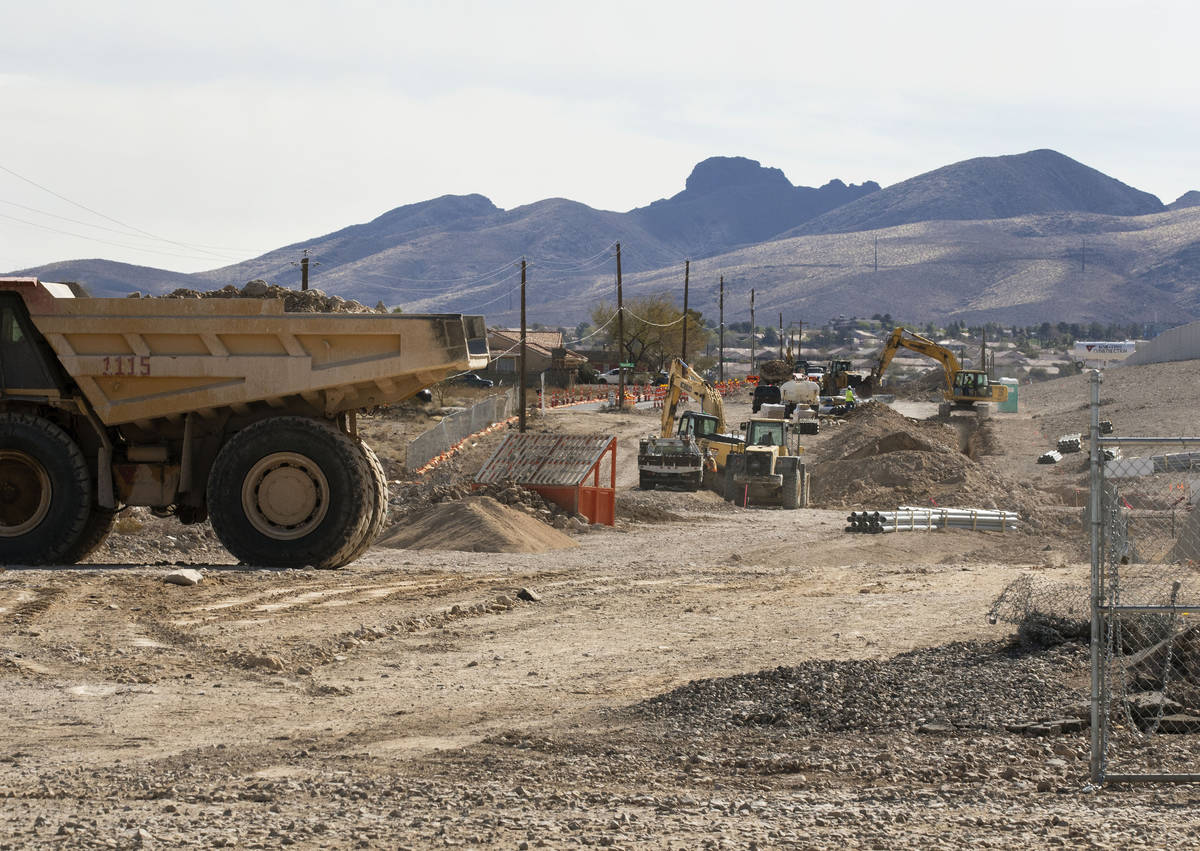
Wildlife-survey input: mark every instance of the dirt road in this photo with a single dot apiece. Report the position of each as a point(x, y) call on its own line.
point(416, 700)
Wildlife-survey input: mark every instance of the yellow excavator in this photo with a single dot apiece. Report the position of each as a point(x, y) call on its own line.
point(686, 453)
point(964, 387)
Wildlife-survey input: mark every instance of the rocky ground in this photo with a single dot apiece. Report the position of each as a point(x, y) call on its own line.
point(698, 676)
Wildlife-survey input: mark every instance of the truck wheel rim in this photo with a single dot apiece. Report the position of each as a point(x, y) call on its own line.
point(285, 496)
point(25, 493)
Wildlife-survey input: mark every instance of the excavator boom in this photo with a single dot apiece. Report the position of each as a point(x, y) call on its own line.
point(683, 379)
point(963, 386)
point(902, 338)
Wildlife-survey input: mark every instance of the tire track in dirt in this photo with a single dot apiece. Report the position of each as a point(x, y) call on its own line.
point(30, 604)
point(297, 653)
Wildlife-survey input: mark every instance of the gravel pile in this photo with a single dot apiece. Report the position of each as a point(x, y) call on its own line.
point(294, 301)
point(958, 687)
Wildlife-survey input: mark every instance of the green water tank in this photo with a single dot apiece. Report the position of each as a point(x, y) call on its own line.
point(1009, 406)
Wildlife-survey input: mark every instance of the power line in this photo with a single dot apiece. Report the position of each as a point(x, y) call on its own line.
point(104, 241)
point(655, 324)
point(231, 258)
point(102, 215)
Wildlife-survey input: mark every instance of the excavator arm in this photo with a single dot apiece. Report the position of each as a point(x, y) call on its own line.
point(683, 379)
point(902, 338)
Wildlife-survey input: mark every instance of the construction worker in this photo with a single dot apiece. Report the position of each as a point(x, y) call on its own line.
point(849, 396)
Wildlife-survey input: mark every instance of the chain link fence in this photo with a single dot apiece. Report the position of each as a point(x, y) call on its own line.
point(457, 427)
point(1145, 605)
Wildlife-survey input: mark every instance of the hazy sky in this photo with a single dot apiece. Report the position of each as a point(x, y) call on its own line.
point(211, 132)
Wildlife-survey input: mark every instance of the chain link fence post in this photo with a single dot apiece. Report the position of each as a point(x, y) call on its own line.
point(1145, 605)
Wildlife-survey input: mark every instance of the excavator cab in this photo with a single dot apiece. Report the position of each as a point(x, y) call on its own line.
point(972, 384)
point(697, 425)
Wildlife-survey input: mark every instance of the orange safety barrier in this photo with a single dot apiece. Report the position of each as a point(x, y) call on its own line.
point(633, 393)
point(438, 459)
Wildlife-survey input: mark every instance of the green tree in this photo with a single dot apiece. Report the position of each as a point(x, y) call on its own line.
point(653, 331)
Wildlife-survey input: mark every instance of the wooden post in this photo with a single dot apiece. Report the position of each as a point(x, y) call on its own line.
point(620, 337)
point(521, 381)
point(753, 339)
point(683, 348)
point(721, 362)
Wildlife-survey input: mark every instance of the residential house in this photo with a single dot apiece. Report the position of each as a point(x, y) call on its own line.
point(544, 353)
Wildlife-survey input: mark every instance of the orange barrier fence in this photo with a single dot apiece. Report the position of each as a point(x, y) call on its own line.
point(433, 462)
point(633, 393)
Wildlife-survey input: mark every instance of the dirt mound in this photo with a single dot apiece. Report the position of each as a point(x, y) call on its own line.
point(928, 385)
point(874, 429)
point(897, 441)
point(476, 524)
point(775, 371)
point(294, 301)
point(879, 458)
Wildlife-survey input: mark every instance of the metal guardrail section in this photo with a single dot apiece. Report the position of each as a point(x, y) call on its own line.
point(1145, 606)
point(544, 459)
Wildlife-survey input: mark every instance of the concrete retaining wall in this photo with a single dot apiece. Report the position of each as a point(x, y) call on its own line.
point(1182, 343)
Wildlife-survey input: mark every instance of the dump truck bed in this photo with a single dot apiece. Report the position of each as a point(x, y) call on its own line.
point(139, 359)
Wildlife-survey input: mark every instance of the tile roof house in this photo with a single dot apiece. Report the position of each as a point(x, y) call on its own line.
point(544, 351)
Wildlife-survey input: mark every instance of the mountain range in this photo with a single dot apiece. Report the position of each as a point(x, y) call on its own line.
point(1015, 239)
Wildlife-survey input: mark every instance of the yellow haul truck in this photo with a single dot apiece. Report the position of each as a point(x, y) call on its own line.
point(220, 408)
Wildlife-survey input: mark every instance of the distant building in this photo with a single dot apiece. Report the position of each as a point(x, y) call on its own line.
point(544, 352)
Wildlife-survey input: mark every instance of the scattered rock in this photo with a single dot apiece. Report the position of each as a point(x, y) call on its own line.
point(261, 662)
point(530, 595)
point(184, 576)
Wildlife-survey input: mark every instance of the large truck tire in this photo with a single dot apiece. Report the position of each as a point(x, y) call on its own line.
point(45, 492)
point(696, 481)
point(292, 492)
point(645, 482)
point(731, 490)
point(97, 528)
point(379, 510)
point(790, 497)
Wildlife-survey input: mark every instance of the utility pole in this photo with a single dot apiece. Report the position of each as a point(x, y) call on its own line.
point(620, 336)
point(781, 335)
point(303, 270)
point(686, 268)
point(753, 339)
point(876, 252)
point(721, 362)
point(521, 388)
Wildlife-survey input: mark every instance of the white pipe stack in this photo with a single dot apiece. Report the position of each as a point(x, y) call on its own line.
point(910, 518)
